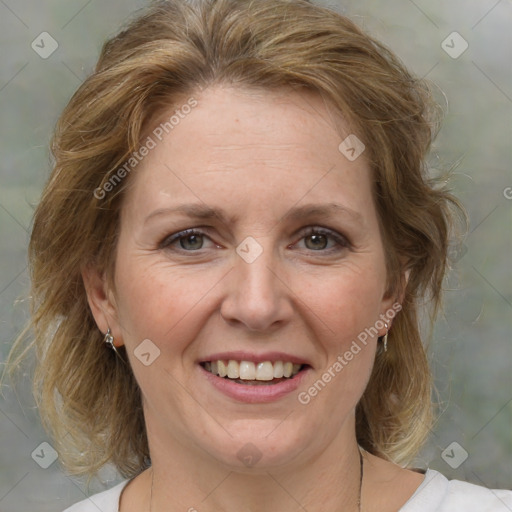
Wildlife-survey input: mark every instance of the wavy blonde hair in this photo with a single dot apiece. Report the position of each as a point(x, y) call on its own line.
point(88, 399)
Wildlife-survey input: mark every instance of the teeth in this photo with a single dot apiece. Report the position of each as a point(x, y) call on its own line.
point(264, 371)
point(222, 370)
point(233, 369)
point(249, 371)
point(278, 369)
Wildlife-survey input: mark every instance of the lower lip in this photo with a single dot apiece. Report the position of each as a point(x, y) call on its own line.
point(256, 394)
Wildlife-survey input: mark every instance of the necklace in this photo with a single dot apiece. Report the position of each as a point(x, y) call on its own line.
point(358, 499)
point(360, 480)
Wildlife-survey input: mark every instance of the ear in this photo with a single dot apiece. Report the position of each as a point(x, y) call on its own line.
point(102, 302)
point(400, 294)
point(393, 303)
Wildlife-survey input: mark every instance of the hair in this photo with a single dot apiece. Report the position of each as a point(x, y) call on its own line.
point(88, 399)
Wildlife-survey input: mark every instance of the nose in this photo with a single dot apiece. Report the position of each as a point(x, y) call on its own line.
point(258, 296)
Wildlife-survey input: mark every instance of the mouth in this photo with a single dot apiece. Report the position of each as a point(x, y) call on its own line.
point(254, 373)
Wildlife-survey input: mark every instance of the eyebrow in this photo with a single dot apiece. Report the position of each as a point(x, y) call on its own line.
point(205, 212)
point(323, 210)
point(195, 211)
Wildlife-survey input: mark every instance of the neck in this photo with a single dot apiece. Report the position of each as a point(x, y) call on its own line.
point(331, 482)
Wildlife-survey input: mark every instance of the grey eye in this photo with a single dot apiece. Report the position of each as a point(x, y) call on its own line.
point(191, 242)
point(316, 242)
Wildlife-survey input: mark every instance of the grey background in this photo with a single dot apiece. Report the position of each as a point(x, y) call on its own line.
point(470, 349)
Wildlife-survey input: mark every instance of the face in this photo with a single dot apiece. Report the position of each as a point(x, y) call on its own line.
point(247, 236)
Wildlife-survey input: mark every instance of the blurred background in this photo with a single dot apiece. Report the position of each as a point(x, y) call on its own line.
point(464, 47)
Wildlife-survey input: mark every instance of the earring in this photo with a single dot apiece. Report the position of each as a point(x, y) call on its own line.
point(385, 338)
point(109, 341)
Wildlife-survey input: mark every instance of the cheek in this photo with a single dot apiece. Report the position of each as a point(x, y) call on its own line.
point(346, 302)
point(159, 302)
point(343, 308)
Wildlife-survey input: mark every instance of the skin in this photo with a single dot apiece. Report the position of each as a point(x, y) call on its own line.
point(256, 155)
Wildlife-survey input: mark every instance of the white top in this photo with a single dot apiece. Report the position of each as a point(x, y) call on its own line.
point(435, 494)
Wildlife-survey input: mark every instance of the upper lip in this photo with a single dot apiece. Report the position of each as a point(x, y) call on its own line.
point(240, 355)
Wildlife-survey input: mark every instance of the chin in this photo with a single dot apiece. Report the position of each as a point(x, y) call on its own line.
point(261, 445)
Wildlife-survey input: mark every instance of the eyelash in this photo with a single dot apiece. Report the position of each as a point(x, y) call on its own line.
point(341, 241)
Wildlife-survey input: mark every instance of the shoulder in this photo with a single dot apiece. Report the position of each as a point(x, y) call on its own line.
point(438, 494)
point(106, 501)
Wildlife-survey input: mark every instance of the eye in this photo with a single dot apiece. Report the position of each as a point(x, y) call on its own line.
point(315, 239)
point(188, 240)
point(323, 240)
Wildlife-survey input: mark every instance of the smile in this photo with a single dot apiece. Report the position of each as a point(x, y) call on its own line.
point(253, 373)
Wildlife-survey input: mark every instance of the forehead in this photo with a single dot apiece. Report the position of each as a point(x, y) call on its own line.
point(238, 144)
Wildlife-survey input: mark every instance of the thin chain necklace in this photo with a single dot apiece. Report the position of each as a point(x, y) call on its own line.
point(358, 499)
point(360, 480)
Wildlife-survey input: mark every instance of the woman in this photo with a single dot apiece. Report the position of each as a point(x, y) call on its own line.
point(228, 263)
